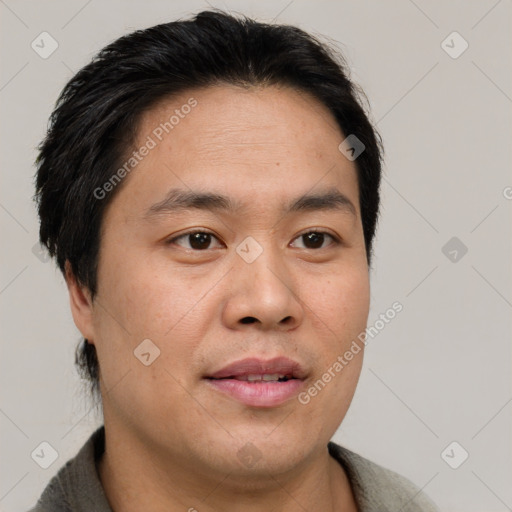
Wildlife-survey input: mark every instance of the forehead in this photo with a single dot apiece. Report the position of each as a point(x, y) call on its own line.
point(255, 144)
point(232, 113)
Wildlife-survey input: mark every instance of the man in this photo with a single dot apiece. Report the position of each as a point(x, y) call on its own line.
point(210, 190)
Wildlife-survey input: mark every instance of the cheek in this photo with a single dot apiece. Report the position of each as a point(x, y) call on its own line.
point(139, 304)
point(146, 302)
point(340, 311)
point(340, 302)
point(340, 307)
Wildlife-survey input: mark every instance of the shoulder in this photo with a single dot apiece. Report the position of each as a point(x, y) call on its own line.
point(378, 489)
point(76, 487)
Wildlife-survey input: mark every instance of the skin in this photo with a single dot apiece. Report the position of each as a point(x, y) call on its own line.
point(172, 440)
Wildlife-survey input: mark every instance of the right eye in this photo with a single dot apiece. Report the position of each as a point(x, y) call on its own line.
point(197, 240)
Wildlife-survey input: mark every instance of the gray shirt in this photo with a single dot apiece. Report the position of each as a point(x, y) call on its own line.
point(77, 487)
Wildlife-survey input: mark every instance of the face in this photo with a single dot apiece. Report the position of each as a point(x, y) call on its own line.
point(224, 287)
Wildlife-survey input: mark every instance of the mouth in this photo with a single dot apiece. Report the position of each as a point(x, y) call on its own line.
point(259, 383)
point(266, 377)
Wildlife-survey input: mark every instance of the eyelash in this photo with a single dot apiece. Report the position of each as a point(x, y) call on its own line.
point(336, 240)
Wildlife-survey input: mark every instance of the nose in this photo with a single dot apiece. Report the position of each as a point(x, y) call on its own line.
point(263, 293)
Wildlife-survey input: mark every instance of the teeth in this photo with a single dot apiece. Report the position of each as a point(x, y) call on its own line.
point(268, 377)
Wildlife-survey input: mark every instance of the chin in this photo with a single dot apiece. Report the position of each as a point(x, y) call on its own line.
point(255, 456)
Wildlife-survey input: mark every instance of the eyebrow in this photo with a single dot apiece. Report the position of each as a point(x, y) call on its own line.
point(177, 200)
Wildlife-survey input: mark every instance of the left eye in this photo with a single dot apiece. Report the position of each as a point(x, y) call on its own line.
point(201, 240)
point(315, 239)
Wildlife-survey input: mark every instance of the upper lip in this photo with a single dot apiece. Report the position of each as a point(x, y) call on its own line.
point(257, 366)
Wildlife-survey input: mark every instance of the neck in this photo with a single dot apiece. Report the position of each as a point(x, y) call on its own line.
point(141, 478)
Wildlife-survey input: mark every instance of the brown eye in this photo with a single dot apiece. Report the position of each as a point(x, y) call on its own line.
point(315, 239)
point(196, 240)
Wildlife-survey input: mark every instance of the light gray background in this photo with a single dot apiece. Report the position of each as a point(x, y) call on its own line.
point(441, 370)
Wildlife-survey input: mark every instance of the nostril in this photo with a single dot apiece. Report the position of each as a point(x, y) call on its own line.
point(248, 320)
point(287, 321)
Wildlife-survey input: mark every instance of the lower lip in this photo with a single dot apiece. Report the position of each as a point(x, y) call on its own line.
point(259, 393)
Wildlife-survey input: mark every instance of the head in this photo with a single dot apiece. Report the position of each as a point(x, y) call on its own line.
point(218, 125)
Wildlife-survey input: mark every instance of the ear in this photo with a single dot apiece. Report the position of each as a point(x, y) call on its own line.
point(81, 305)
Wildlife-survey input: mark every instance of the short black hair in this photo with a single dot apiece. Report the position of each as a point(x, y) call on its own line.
point(96, 116)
